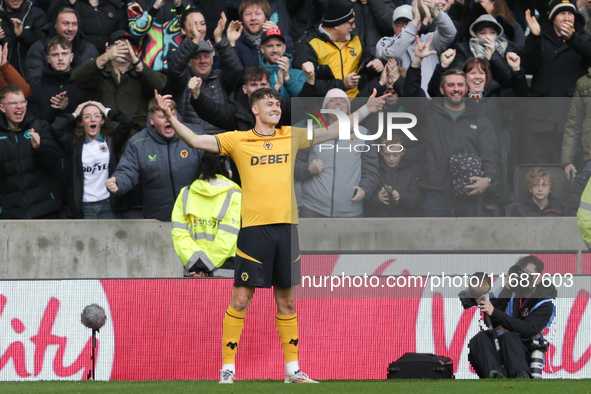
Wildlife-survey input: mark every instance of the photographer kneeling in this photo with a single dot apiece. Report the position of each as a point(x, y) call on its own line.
point(518, 315)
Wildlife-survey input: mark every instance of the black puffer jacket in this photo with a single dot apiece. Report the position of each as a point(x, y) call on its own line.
point(471, 133)
point(26, 187)
point(52, 83)
point(37, 56)
point(33, 20)
point(531, 209)
point(216, 86)
point(404, 179)
point(96, 24)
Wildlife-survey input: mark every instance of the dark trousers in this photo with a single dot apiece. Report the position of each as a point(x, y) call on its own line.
point(437, 204)
point(512, 357)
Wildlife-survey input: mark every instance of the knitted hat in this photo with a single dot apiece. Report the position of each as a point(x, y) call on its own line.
point(337, 12)
point(485, 20)
point(332, 93)
point(555, 7)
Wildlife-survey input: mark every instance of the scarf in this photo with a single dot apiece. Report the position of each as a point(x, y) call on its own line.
point(255, 39)
point(477, 46)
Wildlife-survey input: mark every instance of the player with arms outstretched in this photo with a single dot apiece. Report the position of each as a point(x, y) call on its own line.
point(268, 249)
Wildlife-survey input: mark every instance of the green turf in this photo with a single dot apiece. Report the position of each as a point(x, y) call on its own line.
point(334, 386)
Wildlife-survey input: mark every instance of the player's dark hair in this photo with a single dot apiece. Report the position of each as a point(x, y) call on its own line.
point(186, 14)
point(451, 71)
point(255, 73)
point(58, 40)
point(263, 93)
point(524, 261)
point(210, 166)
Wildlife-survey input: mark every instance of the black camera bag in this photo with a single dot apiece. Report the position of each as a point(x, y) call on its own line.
point(421, 366)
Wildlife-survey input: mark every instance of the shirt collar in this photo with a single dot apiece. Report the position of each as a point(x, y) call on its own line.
point(99, 138)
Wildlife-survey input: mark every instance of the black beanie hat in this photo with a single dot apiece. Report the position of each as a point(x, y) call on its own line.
point(555, 7)
point(337, 12)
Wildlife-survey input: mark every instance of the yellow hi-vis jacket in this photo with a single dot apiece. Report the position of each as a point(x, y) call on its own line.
point(205, 223)
point(584, 215)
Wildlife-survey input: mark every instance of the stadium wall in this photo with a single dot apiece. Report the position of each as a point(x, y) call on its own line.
point(40, 249)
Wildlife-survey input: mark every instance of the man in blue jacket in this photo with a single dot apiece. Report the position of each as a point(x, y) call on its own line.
point(160, 161)
point(282, 77)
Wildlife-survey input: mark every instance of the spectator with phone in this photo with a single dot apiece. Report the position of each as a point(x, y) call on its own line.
point(399, 194)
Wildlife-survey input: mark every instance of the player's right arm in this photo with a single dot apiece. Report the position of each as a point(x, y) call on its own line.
point(206, 142)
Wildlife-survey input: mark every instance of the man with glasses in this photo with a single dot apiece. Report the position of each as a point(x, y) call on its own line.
point(28, 153)
point(406, 23)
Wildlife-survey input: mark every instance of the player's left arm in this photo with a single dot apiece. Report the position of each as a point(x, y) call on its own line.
point(374, 104)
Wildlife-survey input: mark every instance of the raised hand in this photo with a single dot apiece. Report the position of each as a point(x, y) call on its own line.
point(489, 47)
point(60, 101)
point(375, 104)
point(514, 61)
point(532, 23)
point(195, 87)
point(100, 106)
point(164, 103)
point(35, 139)
point(234, 32)
point(269, 25)
point(423, 49)
point(18, 26)
point(351, 81)
point(218, 33)
point(376, 64)
point(308, 69)
point(567, 29)
point(447, 58)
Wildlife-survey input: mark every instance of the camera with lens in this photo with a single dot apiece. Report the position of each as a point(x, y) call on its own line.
point(479, 285)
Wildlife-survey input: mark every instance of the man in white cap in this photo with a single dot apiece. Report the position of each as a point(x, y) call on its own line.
point(406, 24)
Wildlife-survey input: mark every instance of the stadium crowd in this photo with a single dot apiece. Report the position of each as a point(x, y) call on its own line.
point(495, 84)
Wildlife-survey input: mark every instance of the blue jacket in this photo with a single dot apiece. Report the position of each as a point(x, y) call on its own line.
point(292, 87)
point(162, 166)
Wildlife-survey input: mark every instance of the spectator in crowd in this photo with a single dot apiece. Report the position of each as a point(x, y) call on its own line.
point(579, 182)
point(56, 92)
point(206, 220)
point(406, 24)
point(341, 65)
point(155, 23)
point(453, 126)
point(9, 75)
point(157, 159)
point(237, 115)
point(66, 25)
point(21, 24)
point(577, 132)
point(255, 16)
point(199, 55)
point(28, 153)
point(120, 80)
point(283, 77)
point(499, 8)
point(539, 185)
point(488, 41)
point(94, 151)
point(335, 181)
point(98, 18)
point(397, 194)
point(557, 53)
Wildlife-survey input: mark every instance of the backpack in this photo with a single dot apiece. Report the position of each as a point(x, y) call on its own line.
point(464, 166)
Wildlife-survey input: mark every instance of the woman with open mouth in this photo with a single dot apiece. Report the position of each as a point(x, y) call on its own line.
point(94, 151)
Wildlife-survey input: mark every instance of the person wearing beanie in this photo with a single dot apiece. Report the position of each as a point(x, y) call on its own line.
point(337, 54)
point(406, 24)
point(557, 53)
point(336, 182)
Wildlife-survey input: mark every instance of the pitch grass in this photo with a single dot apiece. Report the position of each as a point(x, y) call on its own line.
point(330, 386)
